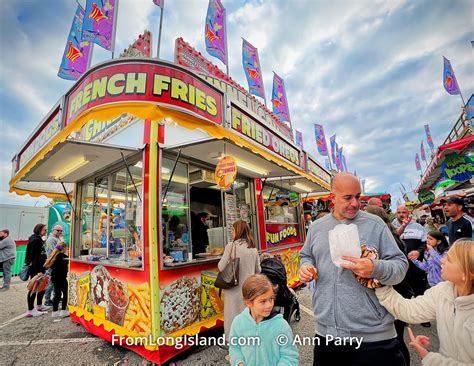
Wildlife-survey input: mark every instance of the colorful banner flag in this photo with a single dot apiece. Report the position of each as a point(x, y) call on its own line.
point(449, 79)
point(337, 162)
point(428, 137)
point(470, 110)
point(320, 140)
point(417, 162)
point(99, 21)
point(299, 139)
point(159, 3)
point(77, 52)
point(327, 164)
point(332, 142)
point(252, 69)
point(422, 150)
point(344, 163)
point(341, 160)
point(214, 31)
point(279, 101)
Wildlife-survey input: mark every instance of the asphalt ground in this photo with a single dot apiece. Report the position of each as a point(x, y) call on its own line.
point(48, 341)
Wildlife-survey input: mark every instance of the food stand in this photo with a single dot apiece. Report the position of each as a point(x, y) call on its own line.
point(133, 146)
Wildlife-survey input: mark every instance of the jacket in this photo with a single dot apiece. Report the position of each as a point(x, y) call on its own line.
point(342, 306)
point(60, 268)
point(432, 265)
point(454, 320)
point(268, 333)
point(7, 249)
point(35, 254)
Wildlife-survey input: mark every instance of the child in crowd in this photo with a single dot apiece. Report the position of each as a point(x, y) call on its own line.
point(436, 249)
point(58, 262)
point(450, 302)
point(275, 339)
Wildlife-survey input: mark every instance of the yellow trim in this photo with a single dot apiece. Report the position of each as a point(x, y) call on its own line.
point(153, 229)
point(124, 332)
point(139, 109)
point(23, 192)
point(145, 110)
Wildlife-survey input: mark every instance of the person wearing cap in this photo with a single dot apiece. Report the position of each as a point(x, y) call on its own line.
point(458, 226)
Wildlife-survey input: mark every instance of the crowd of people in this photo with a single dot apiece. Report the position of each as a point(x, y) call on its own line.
point(405, 275)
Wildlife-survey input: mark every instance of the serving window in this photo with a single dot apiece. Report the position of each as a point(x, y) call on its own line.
point(196, 215)
point(110, 216)
point(282, 216)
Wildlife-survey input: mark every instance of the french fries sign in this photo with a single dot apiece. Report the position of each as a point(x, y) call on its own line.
point(145, 82)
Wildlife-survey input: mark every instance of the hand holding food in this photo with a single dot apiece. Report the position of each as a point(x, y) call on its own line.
point(307, 273)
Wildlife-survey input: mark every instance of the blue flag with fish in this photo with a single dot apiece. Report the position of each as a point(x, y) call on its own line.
point(99, 22)
point(252, 69)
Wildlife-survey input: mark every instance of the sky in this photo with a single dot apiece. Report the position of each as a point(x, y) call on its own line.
point(368, 71)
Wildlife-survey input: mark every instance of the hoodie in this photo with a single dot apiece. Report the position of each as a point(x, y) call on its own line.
point(262, 341)
point(342, 306)
point(454, 321)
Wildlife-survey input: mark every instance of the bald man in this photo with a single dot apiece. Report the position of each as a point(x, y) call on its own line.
point(374, 201)
point(351, 325)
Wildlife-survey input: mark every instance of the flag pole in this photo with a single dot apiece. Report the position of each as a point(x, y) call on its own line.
point(226, 48)
point(162, 9)
point(115, 26)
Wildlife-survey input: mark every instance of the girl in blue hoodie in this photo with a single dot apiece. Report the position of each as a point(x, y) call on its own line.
point(259, 336)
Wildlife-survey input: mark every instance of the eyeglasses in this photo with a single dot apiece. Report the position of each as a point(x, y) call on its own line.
point(59, 231)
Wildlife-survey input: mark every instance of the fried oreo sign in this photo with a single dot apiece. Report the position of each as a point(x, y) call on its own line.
point(145, 82)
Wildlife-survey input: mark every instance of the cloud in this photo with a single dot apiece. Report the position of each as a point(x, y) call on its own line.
point(369, 71)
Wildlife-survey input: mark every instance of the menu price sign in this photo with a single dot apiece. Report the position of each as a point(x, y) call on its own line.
point(230, 207)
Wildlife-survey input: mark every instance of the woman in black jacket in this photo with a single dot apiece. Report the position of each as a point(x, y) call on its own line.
point(36, 256)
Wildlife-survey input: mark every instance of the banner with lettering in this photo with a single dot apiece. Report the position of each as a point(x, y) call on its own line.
point(426, 197)
point(457, 167)
point(282, 234)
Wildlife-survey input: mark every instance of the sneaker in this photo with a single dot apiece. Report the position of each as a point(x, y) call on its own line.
point(48, 303)
point(64, 313)
point(43, 307)
point(56, 314)
point(34, 313)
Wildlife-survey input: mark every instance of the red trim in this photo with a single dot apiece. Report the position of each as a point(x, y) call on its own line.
point(146, 131)
point(21, 242)
point(163, 354)
point(260, 213)
point(458, 145)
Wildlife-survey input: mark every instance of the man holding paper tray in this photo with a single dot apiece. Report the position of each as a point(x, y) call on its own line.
point(353, 252)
